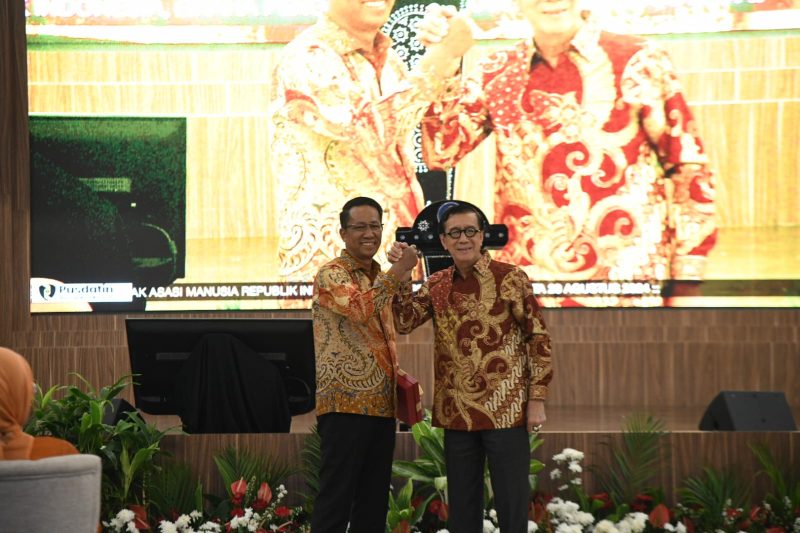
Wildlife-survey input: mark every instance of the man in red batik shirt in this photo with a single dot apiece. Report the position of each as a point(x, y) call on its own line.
point(600, 174)
point(492, 367)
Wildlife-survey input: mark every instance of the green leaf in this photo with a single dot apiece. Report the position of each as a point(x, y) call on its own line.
point(413, 471)
point(711, 493)
point(404, 497)
point(635, 458)
point(434, 450)
point(96, 409)
point(86, 421)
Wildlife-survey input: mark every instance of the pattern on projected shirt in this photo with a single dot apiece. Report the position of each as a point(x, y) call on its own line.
point(343, 124)
point(599, 174)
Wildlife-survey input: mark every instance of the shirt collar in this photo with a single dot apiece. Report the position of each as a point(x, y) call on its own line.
point(481, 268)
point(343, 43)
point(586, 41)
point(354, 265)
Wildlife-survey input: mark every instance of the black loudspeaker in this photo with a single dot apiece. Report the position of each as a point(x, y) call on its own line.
point(116, 411)
point(748, 411)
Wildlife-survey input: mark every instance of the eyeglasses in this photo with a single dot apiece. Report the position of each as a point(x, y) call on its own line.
point(362, 228)
point(455, 233)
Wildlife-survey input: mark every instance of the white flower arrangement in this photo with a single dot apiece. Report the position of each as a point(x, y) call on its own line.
point(124, 521)
point(568, 468)
point(568, 513)
point(633, 523)
point(188, 523)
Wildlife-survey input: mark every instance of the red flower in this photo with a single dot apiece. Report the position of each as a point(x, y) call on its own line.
point(139, 517)
point(237, 511)
point(416, 500)
point(689, 524)
point(659, 515)
point(264, 493)
point(775, 530)
point(537, 512)
point(542, 497)
point(537, 508)
point(439, 508)
point(605, 498)
point(402, 527)
point(434, 506)
point(283, 512)
point(642, 503)
point(259, 505)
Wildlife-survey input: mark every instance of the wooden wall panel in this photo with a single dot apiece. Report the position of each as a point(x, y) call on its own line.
point(140, 64)
point(229, 192)
point(728, 141)
point(737, 51)
point(710, 86)
point(791, 52)
point(770, 84)
point(785, 370)
point(788, 160)
point(576, 375)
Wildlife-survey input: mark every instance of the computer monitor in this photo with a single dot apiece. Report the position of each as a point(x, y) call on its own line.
point(158, 348)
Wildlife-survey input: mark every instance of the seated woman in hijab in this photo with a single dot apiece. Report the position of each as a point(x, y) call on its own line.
point(16, 399)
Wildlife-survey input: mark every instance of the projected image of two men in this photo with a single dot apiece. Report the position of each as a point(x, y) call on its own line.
point(185, 155)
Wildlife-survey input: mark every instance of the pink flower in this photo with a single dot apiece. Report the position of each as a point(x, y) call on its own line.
point(758, 514)
point(264, 493)
point(238, 488)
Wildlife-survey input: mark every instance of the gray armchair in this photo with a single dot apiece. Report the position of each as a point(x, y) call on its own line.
point(54, 494)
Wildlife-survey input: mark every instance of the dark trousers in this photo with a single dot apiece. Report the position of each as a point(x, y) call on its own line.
point(356, 471)
point(509, 463)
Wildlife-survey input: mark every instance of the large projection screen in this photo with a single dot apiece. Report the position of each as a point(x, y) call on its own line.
point(151, 180)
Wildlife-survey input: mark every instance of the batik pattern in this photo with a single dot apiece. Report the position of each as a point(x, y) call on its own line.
point(491, 347)
point(342, 126)
point(600, 173)
point(354, 339)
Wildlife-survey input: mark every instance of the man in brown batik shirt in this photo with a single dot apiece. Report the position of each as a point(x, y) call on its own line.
point(492, 368)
